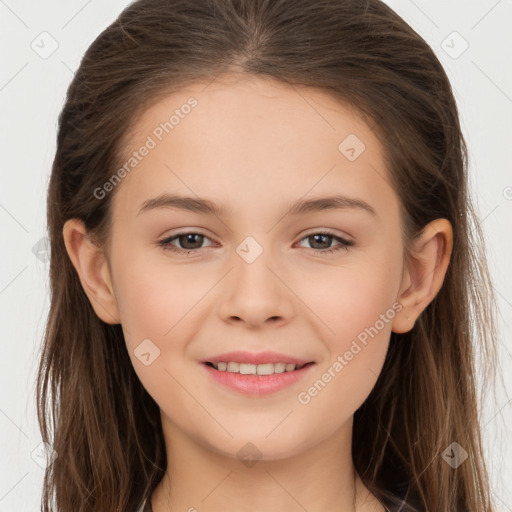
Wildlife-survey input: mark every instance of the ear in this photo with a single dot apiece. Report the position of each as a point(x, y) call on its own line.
point(91, 264)
point(425, 275)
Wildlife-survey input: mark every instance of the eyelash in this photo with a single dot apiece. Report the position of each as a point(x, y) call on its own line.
point(344, 244)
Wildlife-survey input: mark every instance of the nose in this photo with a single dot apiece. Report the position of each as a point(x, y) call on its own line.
point(256, 293)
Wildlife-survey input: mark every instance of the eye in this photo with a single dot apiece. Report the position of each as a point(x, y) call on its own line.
point(325, 238)
point(190, 241)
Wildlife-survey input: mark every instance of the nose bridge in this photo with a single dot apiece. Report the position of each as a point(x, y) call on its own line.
point(252, 261)
point(255, 293)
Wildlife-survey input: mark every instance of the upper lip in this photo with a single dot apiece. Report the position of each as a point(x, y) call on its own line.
point(255, 358)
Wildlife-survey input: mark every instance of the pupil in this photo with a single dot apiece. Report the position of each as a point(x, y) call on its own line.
point(315, 237)
point(185, 239)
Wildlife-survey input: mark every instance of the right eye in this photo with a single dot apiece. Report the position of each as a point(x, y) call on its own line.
point(191, 241)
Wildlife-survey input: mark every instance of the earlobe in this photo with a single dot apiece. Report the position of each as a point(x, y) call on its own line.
point(425, 275)
point(91, 265)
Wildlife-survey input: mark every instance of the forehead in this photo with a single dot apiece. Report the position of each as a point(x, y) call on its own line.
point(247, 139)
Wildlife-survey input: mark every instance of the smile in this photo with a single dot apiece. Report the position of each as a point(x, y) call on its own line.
point(253, 369)
point(256, 380)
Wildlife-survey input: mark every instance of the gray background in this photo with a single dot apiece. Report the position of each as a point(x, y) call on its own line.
point(41, 44)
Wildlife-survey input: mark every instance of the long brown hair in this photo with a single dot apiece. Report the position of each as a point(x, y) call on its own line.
point(105, 428)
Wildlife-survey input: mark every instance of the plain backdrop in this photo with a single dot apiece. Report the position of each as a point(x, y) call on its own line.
point(41, 44)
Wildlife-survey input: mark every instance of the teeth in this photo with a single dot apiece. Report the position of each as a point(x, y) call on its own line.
point(253, 369)
point(233, 367)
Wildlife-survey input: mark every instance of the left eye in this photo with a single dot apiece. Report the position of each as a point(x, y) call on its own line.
point(317, 239)
point(191, 242)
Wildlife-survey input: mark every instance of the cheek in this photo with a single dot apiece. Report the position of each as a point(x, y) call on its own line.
point(154, 301)
point(152, 298)
point(357, 306)
point(351, 298)
point(361, 306)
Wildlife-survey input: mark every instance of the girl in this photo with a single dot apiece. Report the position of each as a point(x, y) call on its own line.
point(315, 351)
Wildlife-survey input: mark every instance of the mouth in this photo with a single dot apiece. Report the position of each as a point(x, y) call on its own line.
point(256, 369)
point(256, 380)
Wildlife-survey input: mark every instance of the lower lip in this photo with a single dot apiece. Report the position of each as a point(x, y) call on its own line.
point(258, 384)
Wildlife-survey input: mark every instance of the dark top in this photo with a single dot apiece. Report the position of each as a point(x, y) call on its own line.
point(392, 508)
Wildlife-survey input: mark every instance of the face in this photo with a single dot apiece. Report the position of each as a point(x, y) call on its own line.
point(259, 274)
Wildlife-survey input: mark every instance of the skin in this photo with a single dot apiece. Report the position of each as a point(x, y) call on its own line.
point(255, 145)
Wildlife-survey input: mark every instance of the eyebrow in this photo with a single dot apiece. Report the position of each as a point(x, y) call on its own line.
point(301, 207)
